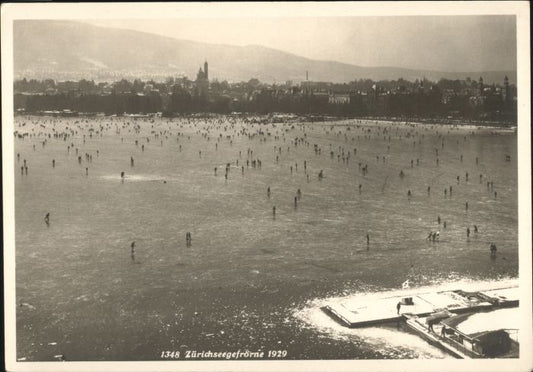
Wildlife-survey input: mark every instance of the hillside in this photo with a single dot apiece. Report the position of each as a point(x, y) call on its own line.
point(72, 50)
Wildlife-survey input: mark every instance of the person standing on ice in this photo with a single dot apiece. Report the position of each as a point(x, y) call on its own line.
point(493, 250)
point(133, 251)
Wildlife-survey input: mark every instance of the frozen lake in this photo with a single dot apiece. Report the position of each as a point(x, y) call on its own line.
point(247, 277)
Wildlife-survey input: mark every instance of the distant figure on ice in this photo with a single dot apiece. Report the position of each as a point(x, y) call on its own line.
point(398, 307)
point(133, 251)
point(493, 250)
point(47, 219)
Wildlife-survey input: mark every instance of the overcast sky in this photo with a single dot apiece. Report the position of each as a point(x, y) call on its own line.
point(445, 43)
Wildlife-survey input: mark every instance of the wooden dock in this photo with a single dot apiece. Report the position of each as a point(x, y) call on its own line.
point(417, 324)
point(445, 334)
point(363, 311)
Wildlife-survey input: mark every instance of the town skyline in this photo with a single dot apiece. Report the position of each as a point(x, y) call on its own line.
point(449, 99)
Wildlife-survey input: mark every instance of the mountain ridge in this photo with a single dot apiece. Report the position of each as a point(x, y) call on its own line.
point(56, 49)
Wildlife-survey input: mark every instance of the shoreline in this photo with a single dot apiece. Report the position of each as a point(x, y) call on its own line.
point(288, 118)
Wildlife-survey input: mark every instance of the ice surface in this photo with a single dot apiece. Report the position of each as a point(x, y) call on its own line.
point(241, 258)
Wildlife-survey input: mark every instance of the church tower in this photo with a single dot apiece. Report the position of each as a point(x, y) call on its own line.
point(202, 81)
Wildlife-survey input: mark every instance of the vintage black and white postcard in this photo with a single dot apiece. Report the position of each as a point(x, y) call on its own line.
point(267, 186)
